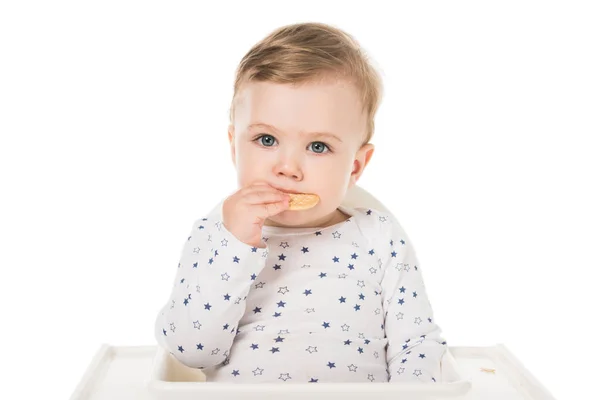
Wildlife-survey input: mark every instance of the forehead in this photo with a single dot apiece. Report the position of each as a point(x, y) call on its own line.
point(332, 106)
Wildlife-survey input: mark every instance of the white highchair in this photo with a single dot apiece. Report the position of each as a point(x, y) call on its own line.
point(150, 372)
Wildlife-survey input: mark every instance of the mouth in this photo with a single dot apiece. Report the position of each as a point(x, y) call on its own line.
point(288, 191)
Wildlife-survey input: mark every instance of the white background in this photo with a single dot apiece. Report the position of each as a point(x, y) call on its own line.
point(113, 118)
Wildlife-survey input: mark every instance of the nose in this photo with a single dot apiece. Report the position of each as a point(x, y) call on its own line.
point(288, 165)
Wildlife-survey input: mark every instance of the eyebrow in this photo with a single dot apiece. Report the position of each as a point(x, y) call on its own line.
point(267, 126)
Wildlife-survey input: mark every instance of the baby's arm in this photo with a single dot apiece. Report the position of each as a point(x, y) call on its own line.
point(415, 345)
point(215, 272)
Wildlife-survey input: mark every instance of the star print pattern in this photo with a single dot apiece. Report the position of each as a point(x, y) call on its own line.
point(346, 303)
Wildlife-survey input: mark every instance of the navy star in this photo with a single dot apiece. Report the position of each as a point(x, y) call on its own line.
point(164, 332)
point(360, 350)
point(331, 365)
point(180, 348)
point(367, 341)
point(236, 259)
point(342, 299)
point(317, 233)
point(226, 326)
point(394, 254)
point(347, 342)
point(254, 249)
point(276, 266)
point(235, 372)
point(325, 325)
point(354, 256)
point(226, 296)
point(282, 257)
point(336, 259)
point(199, 346)
point(414, 294)
point(313, 380)
point(400, 301)
point(305, 249)
point(421, 355)
point(182, 280)
point(281, 304)
point(371, 252)
point(207, 306)
point(274, 350)
point(356, 307)
point(369, 212)
point(391, 242)
point(254, 346)
point(195, 265)
point(252, 277)
point(350, 267)
point(257, 310)
point(402, 289)
point(361, 296)
point(322, 275)
point(277, 314)
point(279, 339)
point(308, 291)
point(186, 301)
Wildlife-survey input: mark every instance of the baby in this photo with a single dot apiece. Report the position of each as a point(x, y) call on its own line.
point(267, 292)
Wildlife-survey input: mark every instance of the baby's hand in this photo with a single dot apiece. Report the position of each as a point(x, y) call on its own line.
point(245, 211)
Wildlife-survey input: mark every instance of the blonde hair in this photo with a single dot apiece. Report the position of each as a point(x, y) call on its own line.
point(306, 52)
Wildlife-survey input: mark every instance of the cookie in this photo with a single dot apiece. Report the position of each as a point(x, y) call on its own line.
point(303, 201)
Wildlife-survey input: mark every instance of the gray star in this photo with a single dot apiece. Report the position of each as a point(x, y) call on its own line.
point(237, 301)
point(218, 225)
point(372, 270)
point(197, 324)
point(400, 316)
point(198, 288)
point(259, 328)
point(306, 266)
point(417, 372)
point(259, 285)
point(376, 354)
point(312, 349)
point(361, 284)
point(173, 303)
point(173, 327)
point(361, 335)
point(371, 378)
point(196, 249)
point(342, 276)
point(418, 320)
point(354, 244)
point(283, 290)
point(209, 239)
point(377, 311)
point(224, 242)
point(352, 367)
point(285, 377)
point(285, 245)
point(283, 332)
point(336, 235)
point(258, 371)
point(382, 219)
point(309, 310)
point(225, 276)
point(345, 327)
point(401, 370)
point(215, 351)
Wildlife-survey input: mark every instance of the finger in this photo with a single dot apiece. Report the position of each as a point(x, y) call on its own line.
point(265, 196)
point(264, 211)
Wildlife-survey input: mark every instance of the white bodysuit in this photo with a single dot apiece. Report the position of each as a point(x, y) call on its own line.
point(344, 303)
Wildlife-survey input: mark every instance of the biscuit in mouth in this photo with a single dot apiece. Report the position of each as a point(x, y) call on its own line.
point(302, 201)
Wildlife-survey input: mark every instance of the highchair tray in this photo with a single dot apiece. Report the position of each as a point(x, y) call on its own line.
point(149, 373)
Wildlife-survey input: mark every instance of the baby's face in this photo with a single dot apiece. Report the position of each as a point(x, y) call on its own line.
point(304, 139)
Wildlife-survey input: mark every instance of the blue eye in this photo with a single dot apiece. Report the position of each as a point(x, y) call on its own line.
point(267, 140)
point(319, 147)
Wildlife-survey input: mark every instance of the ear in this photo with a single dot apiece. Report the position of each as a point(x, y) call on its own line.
point(362, 158)
point(231, 135)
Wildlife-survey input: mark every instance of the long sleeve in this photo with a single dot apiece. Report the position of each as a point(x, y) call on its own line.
point(214, 275)
point(415, 346)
